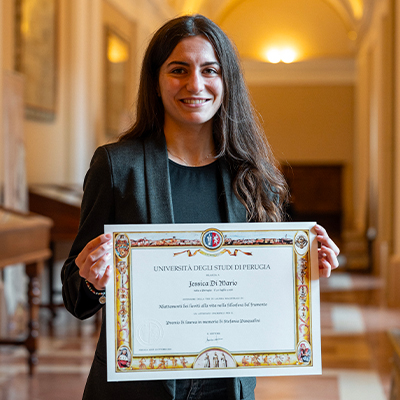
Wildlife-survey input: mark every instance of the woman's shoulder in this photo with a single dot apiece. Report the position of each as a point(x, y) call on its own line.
point(127, 156)
point(121, 148)
point(134, 147)
point(115, 159)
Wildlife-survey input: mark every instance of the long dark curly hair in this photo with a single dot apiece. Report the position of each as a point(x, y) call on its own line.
point(238, 135)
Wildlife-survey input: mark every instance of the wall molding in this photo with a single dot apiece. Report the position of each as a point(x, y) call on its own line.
point(312, 72)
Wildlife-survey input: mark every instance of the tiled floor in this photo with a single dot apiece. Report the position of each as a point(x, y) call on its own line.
point(356, 352)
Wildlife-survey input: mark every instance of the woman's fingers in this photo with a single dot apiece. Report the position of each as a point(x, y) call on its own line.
point(96, 271)
point(102, 282)
point(99, 273)
point(323, 237)
point(92, 246)
point(327, 253)
point(97, 254)
point(324, 268)
point(94, 258)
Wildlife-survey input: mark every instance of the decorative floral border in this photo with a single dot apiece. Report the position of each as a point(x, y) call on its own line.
point(220, 357)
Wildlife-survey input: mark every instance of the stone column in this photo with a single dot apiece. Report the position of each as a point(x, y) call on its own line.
point(85, 89)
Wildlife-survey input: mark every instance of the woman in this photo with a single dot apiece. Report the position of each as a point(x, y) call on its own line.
point(195, 154)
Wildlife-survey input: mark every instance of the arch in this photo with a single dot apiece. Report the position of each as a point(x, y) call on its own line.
point(342, 8)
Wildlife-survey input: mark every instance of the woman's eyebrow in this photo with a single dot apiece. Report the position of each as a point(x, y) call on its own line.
point(186, 64)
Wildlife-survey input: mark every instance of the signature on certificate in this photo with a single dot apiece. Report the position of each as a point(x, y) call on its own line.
point(213, 337)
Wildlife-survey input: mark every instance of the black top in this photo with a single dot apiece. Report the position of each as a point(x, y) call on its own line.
point(196, 199)
point(196, 194)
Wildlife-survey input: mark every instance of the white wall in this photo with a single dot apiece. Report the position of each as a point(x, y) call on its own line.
point(307, 111)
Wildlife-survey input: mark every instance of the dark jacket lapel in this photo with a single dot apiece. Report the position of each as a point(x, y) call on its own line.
point(159, 198)
point(235, 210)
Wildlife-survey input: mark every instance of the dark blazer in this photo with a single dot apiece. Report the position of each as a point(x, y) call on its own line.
point(128, 183)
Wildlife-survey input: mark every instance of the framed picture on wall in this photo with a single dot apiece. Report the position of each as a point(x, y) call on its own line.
point(117, 69)
point(35, 55)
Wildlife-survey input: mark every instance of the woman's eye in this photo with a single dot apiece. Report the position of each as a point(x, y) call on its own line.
point(210, 71)
point(178, 71)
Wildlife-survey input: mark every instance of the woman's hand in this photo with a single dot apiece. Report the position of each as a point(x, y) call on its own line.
point(327, 253)
point(93, 260)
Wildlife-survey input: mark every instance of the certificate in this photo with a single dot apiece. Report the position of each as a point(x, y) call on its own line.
point(220, 300)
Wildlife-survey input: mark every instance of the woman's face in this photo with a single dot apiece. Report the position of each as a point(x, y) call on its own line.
point(190, 83)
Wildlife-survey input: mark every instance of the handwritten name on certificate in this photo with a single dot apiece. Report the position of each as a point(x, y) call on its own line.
point(221, 300)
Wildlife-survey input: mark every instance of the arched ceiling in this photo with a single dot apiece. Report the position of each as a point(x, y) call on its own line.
point(312, 29)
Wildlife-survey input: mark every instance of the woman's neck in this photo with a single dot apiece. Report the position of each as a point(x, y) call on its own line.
point(189, 146)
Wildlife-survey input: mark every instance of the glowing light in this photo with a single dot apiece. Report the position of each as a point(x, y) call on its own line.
point(28, 8)
point(273, 56)
point(276, 55)
point(117, 51)
point(358, 8)
point(288, 55)
point(191, 6)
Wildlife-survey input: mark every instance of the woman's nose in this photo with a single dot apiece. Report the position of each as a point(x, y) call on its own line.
point(195, 83)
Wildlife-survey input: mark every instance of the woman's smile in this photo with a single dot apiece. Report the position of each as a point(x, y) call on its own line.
point(194, 101)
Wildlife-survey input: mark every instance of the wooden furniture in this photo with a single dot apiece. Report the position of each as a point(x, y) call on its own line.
point(61, 204)
point(316, 195)
point(394, 336)
point(24, 238)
